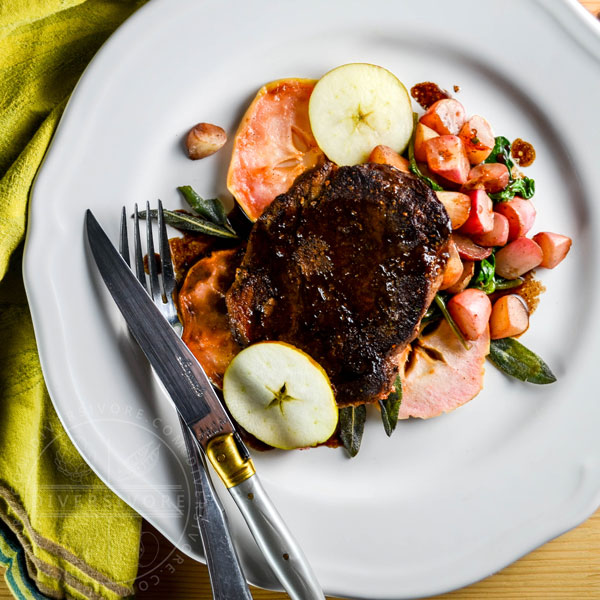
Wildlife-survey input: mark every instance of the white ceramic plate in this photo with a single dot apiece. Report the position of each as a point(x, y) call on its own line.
point(443, 502)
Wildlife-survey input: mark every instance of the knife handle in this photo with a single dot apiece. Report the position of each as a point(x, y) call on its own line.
point(275, 541)
point(270, 533)
point(224, 568)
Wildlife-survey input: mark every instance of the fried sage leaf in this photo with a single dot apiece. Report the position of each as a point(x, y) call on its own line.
point(390, 407)
point(352, 427)
point(514, 359)
point(211, 209)
point(185, 222)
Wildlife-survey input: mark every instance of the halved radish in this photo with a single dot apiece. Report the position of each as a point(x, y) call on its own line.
point(445, 116)
point(446, 156)
point(471, 311)
point(481, 216)
point(509, 317)
point(386, 156)
point(554, 247)
point(478, 139)
point(491, 177)
point(273, 145)
point(498, 236)
point(468, 249)
point(520, 214)
point(464, 279)
point(518, 257)
point(454, 268)
point(457, 206)
point(422, 134)
point(438, 374)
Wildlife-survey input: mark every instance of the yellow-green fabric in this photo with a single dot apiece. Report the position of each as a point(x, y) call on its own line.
point(63, 534)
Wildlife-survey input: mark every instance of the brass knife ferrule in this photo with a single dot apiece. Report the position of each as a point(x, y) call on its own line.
point(225, 457)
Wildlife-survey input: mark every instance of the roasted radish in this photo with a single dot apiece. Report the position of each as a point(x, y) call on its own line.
point(468, 249)
point(520, 214)
point(492, 178)
point(446, 156)
point(478, 139)
point(445, 116)
point(498, 236)
point(422, 134)
point(457, 206)
point(517, 258)
point(481, 216)
point(454, 268)
point(471, 311)
point(384, 155)
point(509, 317)
point(554, 247)
point(464, 279)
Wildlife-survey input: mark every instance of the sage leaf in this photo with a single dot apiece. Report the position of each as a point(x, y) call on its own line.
point(514, 359)
point(390, 407)
point(185, 222)
point(211, 209)
point(352, 427)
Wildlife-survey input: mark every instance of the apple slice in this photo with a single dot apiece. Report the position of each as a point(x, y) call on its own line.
point(356, 107)
point(280, 395)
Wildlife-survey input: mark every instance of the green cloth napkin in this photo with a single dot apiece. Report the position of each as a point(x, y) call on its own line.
point(63, 534)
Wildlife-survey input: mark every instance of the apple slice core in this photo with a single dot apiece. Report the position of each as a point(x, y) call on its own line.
point(280, 395)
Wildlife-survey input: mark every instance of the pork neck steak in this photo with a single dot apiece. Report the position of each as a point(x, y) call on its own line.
point(344, 266)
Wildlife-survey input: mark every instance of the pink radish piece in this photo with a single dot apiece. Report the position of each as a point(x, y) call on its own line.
point(422, 134)
point(446, 156)
point(454, 268)
point(440, 375)
point(517, 258)
point(464, 279)
point(481, 216)
point(384, 155)
point(471, 311)
point(468, 249)
point(498, 236)
point(509, 317)
point(520, 214)
point(491, 177)
point(554, 247)
point(478, 139)
point(445, 116)
point(457, 206)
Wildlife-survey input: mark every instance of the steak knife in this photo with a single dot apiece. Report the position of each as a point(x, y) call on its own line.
point(199, 406)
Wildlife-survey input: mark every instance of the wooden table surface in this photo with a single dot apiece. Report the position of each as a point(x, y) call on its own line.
point(566, 568)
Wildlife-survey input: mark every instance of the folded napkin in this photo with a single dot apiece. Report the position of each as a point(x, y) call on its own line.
point(63, 534)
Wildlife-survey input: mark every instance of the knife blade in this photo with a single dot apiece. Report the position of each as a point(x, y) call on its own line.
point(199, 406)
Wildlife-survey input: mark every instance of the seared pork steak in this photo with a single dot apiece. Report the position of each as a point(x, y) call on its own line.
point(343, 266)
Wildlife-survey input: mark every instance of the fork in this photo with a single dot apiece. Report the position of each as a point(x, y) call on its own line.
point(225, 572)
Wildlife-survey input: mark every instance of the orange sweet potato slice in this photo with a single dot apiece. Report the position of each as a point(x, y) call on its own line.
point(439, 375)
point(203, 312)
point(273, 145)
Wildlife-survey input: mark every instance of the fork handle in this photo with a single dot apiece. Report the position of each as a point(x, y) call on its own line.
point(224, 568)
point(274, 539)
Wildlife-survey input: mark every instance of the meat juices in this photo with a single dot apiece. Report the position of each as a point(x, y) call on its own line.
point(344, 266)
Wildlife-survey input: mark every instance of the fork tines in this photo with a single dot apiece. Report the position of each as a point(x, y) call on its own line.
point(160, 282)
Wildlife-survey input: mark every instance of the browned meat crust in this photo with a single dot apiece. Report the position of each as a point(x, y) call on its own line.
point(344, 266)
